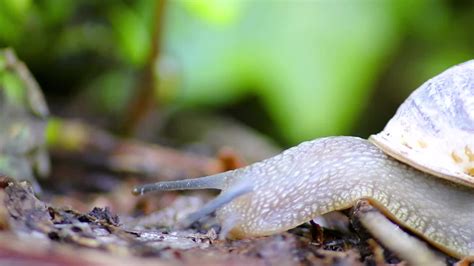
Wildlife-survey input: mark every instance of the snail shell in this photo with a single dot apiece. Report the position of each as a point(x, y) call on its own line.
point(433, 129)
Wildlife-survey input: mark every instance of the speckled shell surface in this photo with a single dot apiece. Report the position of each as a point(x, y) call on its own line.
point(433, 130)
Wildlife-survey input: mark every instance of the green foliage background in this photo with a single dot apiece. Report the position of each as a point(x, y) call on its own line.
point(313, 66)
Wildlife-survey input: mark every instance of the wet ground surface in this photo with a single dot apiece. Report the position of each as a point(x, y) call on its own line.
point(48, 234)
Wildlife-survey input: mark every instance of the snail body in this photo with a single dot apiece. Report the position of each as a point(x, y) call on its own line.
point(348, 169)
point(432, 196)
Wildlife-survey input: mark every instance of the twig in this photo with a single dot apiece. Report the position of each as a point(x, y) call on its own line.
point(144, 100)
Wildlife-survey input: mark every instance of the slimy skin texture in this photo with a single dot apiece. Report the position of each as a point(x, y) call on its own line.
point(329, 174)
point(333, 173)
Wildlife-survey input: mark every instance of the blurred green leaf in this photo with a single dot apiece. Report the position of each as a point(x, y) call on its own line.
point(56, 11)
point(16, 7)
point(132, 32)
point(219, 12)
point(3, 64)
point(111, 91)
point(311, 63)
point(12, 18)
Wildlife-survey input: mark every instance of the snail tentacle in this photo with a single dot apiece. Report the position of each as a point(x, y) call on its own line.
point(224, 198)
point(217, 181)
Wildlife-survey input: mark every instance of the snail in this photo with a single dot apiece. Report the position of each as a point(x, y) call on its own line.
point(418, 172)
